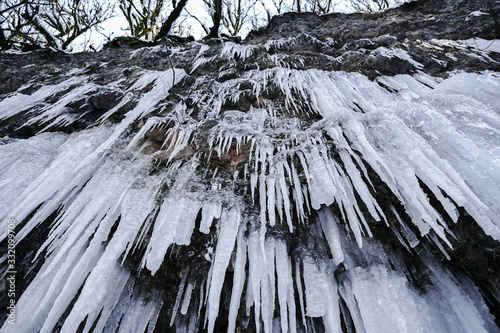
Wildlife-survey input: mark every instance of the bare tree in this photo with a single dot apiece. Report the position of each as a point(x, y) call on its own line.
point(142, 16)
point(368, 6)
point(275, 7)
point(214, 10)
point(29, 24)
point(69, 19)
point(197, 19)
point(145, 20)
point(53, 23)
point(237, 14)
point(21, 27)
point(319, 6)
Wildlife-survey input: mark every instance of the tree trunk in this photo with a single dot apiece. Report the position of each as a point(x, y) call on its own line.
point(174, 15)
point(4, 43)
point(214, 31)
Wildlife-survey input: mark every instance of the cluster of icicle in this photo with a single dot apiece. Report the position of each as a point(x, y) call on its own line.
point(406, 129)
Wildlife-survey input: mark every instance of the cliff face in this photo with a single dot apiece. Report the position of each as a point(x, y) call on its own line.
point(330, 173)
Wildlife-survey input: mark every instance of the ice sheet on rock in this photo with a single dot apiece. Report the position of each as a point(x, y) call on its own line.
point(22, 161)
point(57, 113)
point(174, 223)
point(460, 312)
point(358, 128)
point(398, 53)
point(386, 304)
point(465, 141)
point(19, 102)
point(321, 295)
point(473, 47)
point(403, 131)
point(101, 186)
point(60, 180)
point(441, 172)
point(339, 97)
point(77, 256)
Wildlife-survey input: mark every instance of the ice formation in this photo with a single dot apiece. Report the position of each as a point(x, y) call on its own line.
point(330, 202)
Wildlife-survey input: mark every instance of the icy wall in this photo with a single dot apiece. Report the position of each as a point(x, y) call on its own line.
point(329, 174)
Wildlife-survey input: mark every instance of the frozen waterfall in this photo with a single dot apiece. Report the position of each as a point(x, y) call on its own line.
point(278, 199)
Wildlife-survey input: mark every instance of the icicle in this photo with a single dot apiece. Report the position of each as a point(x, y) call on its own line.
point(321, 187)
point(360, 186)
point(329, 225)
point(297, 189)
point(436, 241)
point(263, 155)
point(256, 269)
point(408, 234)
point(238, 281)
point(285, 198)
point(179, 296)
point(253, 185)
point(230, 221)
point(279, 199)
point(267, 287)
point(208, 213)
point(291, 300)
point(249, 299)
point(168, 229)
point(284, 278)
point(298, 281)
point(271, 198)
point(187, 299)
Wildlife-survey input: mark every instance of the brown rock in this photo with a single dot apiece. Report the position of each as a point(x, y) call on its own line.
point(151, 148)
point(232, 158)
point(156, 134)
point(184, 154)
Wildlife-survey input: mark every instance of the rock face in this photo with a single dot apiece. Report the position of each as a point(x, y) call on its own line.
point(330, 173)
